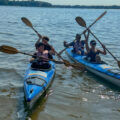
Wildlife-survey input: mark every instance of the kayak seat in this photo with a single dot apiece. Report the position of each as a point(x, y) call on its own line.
point(44, 67)
point(40, 69)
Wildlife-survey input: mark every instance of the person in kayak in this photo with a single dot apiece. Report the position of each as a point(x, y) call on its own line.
point(47, 46)
point(78, 45)
point(92, 52)
point(37, 62)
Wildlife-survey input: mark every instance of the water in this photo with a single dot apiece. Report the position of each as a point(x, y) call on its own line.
point(73, 95)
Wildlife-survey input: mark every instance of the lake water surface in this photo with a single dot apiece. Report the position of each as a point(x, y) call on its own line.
point(73, 95)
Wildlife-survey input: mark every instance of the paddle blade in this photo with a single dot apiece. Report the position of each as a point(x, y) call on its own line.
point(101, 16)
point(80, 21)
point(78, 66)
point(26, 21)
point(74, 65)
point(8, 49)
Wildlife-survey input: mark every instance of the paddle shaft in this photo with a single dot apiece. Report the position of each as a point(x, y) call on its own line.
point(86, 29)
point(102, 44)
point(48, 44)
point(28, 23)
point(16, 51)
point(60, 62)
point(35, 31)
point(67, 63)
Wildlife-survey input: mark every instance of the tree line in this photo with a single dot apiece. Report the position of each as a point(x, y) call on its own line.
point(25, 3)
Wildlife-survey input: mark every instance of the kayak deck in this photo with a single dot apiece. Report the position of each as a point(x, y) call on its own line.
point(37, 81)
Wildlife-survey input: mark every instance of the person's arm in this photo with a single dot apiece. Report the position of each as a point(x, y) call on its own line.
point(85, 35)
point(38, 41)
point(68, 44)
point(104, 50)
point(86, 42)
point(33, 57)
point(52, 51)
point(46, 53)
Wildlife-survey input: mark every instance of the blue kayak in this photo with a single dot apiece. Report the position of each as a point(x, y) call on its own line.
point(103, 70)
point(37, 81)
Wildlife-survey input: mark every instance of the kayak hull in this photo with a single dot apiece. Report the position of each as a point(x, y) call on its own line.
point(36, 82)
point(102, 70)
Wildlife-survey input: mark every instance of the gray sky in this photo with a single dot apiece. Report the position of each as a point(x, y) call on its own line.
point(84, 2)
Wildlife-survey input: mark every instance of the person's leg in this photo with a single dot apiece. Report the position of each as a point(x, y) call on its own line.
point(34, 65)
point(46, 66)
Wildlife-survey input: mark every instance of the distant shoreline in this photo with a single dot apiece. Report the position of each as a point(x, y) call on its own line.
point(87, 7)
point(33, 3)
point(81, 7)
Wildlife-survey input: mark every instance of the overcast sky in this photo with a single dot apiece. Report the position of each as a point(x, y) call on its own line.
point(84, 2)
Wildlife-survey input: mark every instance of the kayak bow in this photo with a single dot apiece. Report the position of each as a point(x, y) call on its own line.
point(36, 82)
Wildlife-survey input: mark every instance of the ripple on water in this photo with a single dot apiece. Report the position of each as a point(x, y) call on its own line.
point(76, 95)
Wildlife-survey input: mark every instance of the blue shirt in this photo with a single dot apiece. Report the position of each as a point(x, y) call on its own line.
point(78, 46)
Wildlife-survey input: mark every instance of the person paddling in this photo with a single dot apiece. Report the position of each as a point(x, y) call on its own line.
point(47, 46)
point(78, 45)
point(92, 52)
point(37, 62)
